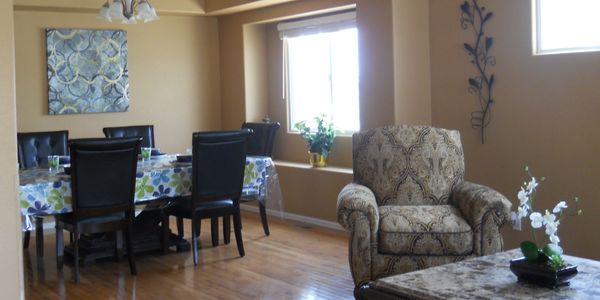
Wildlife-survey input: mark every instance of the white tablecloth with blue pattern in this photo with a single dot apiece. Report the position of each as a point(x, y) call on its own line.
point(44, 193)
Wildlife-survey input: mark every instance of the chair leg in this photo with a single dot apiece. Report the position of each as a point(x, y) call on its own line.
point(26, 237)
point(263, 217)
point(119, 245)
point(180, 227)
point(60, 245)
point(130, 254)
point(165, 233)
point(214, 231)
point(39, 237)
point(226, 229)
point(237, 227)
point(198, 228)
point(195, 240)
point(76, 253)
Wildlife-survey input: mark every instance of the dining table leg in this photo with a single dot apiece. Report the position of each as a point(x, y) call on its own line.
point(39, 237)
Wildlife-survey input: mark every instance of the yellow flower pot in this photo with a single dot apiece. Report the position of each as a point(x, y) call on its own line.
point(317, 160)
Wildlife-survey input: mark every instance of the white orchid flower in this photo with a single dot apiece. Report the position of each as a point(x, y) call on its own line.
point(536, 220)
point(559, 207)
point(523, 197)
point(549, 218)
point(523, 211)
point(552, 227)
point(554, 239)
point(532, 184)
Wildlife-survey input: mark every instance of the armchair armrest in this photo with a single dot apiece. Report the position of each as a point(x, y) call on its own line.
point(357, 211)
point(486, 210)
point(359, 199)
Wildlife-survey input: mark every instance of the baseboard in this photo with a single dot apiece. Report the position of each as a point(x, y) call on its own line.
point(295, 217)
point(49, 225)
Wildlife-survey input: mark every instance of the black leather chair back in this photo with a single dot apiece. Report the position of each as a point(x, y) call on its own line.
point(146, 132)
point(103, 175)
point(218, 163)
point(34, 147)
point(261, 142)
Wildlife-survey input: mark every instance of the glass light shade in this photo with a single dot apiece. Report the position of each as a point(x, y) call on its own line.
point(146, 12)
point(105, 13)
point(128, 11)
point(130, 20)
point(116, 9)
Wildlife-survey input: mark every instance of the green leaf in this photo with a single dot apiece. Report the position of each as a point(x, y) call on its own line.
point(551, 250)
point(24, 204)
point(530, 250)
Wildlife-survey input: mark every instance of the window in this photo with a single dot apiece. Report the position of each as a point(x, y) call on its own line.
point(562, 26)
point(321, 59)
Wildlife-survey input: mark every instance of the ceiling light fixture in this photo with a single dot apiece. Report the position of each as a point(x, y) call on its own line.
point(128, 11)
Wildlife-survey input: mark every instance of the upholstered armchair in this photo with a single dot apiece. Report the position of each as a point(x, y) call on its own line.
point(409, 207)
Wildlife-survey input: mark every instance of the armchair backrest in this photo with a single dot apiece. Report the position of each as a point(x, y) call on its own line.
point(408, 165)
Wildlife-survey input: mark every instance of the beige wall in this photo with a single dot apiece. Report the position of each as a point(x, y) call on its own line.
point(545, 116)
point(11, 277)
point(412, 75)
point(255, 72)
point(376, 62)
point(173, 77)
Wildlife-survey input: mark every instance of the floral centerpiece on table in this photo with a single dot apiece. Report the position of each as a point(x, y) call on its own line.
point(551, 253)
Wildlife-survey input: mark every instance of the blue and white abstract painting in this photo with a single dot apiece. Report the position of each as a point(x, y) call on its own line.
point(87, 71)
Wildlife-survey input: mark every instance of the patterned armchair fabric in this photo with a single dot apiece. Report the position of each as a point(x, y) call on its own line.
point(409, 207)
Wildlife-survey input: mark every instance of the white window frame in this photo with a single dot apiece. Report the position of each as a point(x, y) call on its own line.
point(537, 40)
point(328, 23)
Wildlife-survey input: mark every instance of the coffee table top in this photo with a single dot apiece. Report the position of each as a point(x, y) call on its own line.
point(488, 277)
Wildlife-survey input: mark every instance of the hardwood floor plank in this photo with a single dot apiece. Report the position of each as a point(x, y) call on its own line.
point(294, 262)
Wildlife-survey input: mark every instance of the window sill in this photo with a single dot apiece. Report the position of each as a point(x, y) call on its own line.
point(305, 166)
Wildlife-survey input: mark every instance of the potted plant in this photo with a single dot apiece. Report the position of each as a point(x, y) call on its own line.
point(319, 139)
point(543, 265)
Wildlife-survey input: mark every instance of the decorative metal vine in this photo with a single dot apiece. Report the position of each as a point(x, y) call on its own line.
point(475, 17)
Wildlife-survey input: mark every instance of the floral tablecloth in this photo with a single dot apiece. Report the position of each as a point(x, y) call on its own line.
point(44, 193)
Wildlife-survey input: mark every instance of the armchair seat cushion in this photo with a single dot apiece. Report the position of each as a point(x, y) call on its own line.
point(424, 230)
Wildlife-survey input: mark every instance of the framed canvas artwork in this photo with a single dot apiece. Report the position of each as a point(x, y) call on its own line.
point(87, 71)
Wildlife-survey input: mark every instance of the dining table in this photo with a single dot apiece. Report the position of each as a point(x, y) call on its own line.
point(43, 192)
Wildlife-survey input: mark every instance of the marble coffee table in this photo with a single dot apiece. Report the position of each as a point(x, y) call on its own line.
point(487, 277)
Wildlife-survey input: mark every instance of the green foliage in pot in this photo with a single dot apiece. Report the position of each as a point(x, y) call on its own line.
point(320, 139)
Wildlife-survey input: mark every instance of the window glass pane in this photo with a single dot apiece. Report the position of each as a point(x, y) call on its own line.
point(323, 78)
point(345, 80)
point(567, 26)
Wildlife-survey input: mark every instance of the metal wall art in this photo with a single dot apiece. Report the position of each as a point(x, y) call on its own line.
point(87, 71)
point(474, 17)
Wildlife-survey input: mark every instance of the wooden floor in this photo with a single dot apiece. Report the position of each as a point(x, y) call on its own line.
point(294, 262)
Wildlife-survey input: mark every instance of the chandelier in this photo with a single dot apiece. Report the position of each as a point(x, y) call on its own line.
point(128, 11)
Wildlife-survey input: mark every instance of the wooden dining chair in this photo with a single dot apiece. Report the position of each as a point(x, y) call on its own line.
point(103, 173)
point(33, 149)
point(218, 163)
point(260, 143)
point(146, 132)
